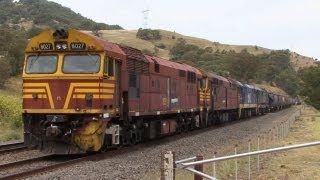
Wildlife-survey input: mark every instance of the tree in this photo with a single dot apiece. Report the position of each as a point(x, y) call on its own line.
point(13, 42)
point(288, 81)
point(273, 68)
point(33, 31)
point(310, 86)
point(243, 65)
point(180, 48)
point(4, 71)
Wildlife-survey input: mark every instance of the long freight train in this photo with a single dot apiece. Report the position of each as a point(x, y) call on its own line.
point(82, 93)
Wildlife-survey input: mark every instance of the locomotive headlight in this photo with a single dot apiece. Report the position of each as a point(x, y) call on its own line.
point(105, 115)
point(60, 46)
point(64, 46)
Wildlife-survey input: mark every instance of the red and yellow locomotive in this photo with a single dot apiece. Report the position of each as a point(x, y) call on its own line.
point(70, 90)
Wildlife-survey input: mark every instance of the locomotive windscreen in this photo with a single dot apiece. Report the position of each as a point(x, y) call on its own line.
point(81, 64)
point(41, 64)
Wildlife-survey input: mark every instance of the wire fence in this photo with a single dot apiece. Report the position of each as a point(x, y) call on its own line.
point(266, 142)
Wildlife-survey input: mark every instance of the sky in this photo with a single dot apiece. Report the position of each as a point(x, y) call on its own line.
point(274, 24)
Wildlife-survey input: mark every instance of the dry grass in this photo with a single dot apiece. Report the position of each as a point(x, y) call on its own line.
point(300, 163)
point(300, 62)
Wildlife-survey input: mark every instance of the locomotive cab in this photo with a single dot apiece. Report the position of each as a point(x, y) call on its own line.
point(70, 91)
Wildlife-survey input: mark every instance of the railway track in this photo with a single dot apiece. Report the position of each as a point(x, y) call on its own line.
point(12, 147)
point(29, 167)
point(55, 162)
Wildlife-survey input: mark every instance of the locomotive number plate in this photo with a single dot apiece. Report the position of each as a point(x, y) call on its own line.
point(45, 46)
point(78, 46)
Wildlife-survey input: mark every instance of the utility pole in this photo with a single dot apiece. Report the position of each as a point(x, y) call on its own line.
point(145, 14)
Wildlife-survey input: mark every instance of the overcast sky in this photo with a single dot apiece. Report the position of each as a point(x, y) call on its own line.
point(275, 24)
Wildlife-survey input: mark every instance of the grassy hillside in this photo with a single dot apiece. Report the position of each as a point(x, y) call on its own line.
point(45, 14)
point(170, 38)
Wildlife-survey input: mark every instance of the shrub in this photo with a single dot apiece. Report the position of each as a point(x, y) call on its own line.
point(208, 49)
point(161, 46)
point(148, 34)
point(10, 111)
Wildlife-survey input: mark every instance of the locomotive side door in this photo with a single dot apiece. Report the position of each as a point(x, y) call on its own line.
point(174, 99)
point(168, 94)
point(117, 94)
point(111, 78)
point(226, 98)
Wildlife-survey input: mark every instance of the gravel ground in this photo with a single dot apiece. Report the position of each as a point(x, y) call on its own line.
point(135, 162)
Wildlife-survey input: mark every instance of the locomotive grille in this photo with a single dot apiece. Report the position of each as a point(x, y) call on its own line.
point(138, 67)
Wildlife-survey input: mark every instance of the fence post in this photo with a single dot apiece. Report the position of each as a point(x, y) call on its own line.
point(168, 166)
point(258, 155)
point(199, 168)
point(249, 161)
point(214, 165)
point(236, 162)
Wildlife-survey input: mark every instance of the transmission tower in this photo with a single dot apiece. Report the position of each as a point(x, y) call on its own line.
point(145, 14)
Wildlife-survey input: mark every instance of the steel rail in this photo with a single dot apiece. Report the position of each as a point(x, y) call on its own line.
point(46, 168)
point(12, 147)
point(22, 162)
point(6, 146)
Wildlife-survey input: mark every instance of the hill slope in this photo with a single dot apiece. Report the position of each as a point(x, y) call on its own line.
point(45, 14)
point(170, 38)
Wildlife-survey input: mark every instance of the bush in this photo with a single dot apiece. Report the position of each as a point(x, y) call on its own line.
point(161, 46)
point(10, 111)
point(148, 34)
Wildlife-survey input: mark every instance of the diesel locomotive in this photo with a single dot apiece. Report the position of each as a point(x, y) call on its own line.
point(82, 93)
